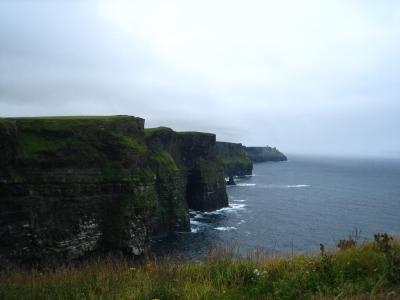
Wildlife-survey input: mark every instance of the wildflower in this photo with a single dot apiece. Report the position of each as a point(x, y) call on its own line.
point(259, 273)
point(256, 272)
point(132, 269)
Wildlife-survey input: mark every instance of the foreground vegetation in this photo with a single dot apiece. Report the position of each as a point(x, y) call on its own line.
point(367, 271)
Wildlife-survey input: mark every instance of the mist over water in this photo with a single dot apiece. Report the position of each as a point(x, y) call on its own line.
point(298, 204)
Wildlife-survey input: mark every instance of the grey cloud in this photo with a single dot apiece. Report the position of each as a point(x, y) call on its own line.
point(333, 95)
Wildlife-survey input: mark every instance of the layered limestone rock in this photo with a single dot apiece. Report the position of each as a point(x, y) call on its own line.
point(164, 154)
point(70, 186)
point(73, 185)
point(262, 154)
point(205, 189)
point(194, 155)
point(234, 159)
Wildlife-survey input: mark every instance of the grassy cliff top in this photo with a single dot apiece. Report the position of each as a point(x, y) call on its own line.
point(156, 130)
point(369, 271)
point(60, 122)
point(68, 140)
point(72, 117)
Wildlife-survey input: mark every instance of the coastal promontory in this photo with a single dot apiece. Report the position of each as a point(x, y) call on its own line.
point(71, 186)
point(263, 154)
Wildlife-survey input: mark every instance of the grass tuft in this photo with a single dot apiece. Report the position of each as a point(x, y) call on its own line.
point(359, 272)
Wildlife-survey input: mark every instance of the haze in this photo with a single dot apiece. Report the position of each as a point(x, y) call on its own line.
point(306, 76)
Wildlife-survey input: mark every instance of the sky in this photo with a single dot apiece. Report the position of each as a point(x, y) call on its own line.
point(306, 76)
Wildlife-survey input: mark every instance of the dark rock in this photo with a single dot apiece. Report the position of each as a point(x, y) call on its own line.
point(263, 154)
point(231, 181)
point(205, 190)
point(234, 159)
point(70, 186)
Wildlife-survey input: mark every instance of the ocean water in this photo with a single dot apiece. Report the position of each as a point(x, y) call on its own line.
point(294, 206)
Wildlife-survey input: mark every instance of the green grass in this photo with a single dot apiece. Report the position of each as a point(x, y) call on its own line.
point(133, 143)
point(164, 160)
point(74, 137)
point(156, 130)
point(361, 272)
point(66, 122)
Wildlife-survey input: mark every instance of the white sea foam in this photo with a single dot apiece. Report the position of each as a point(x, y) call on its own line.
point(196, 226)
point(225, 228)
point(283, 186)
point(236, 206)
point(297, 185)
point(239, 200)
point(245, 184)
point(241, 222)
point(194, 222)
point(231, 208)
point(198, 216)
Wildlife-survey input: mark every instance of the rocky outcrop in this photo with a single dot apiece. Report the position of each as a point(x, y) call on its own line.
point(70, 186)
point(262, 154)
point(231, 181)
point(234, 159)
point(194, 154)
point(205, 188)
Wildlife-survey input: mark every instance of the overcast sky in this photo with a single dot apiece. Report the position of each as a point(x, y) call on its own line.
point(307, 76)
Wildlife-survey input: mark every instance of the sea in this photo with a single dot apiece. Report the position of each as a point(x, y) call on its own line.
point(294, 206)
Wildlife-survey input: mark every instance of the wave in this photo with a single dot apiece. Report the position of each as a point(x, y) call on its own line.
point(245, 184)
point(239, 200)
point(298, 185)
point(196, 226)
point(194, 222)
point(283, 186)
point(196, 216)
point(231, 207)
point(225, 228)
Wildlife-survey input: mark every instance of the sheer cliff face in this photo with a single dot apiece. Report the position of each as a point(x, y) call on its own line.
point(261, 154)
point(234, 159)
point(205, 188)
point(72, 185)
point(194, 153)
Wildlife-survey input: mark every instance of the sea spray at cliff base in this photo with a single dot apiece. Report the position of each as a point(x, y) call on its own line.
point(296, 205)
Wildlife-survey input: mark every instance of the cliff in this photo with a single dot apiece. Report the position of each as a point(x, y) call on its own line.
point(234, 159)
point(262, 154)
point(73, 185)
point(206, 188)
